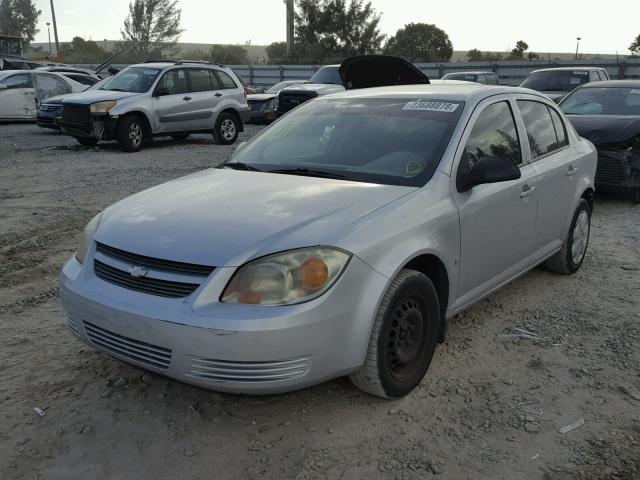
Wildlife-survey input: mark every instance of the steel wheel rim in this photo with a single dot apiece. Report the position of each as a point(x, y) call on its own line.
point(406, 339)
point(228, 129)
point(580, 237)
point(135, 134)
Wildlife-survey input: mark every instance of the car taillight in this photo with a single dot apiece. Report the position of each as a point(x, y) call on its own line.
point(244, 90)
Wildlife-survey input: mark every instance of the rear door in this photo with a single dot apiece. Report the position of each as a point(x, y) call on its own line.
point(17, 96)
point(557, 164)
point(171, 102)
point(497, 221)
point(205, 97)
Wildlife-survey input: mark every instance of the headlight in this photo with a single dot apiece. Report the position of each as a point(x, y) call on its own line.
point(87, 237)
point(286, 278)
point(103, 107)
point(271, 104)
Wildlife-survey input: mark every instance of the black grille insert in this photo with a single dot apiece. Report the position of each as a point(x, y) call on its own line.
point(611, 169)
point(152, 286)
point(78, 114)
point(155, 263)
point(289, 100)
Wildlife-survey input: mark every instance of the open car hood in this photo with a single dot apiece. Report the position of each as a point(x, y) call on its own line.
point(367, 71)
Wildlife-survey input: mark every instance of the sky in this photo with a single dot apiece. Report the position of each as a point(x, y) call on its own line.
point(490, 25)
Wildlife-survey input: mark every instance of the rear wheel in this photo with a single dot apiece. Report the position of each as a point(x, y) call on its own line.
point(403, 338)
point(130, 133)
point(226, 129)
point(87, 142)
point(179, 136)
point(570, 258)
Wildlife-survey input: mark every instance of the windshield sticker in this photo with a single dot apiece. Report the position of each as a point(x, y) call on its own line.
point(584, 74)
point(413, 168)
point(635, 92)
point(431, 106)
point(150, 72)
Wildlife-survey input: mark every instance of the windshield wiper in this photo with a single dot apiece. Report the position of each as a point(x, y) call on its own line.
point(308, 173)
point(240, 166)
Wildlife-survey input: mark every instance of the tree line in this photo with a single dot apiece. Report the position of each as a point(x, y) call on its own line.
point(326, 31)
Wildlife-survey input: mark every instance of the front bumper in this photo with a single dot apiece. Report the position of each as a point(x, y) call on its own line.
point(230, 348)
point(618, 171)
point(100, 127)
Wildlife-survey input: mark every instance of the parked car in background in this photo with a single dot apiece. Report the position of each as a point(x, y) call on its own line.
point(83, 78)
point(8, 62)
point(264, 106)
point(364, 71)
point(50, 110)
point(556, 83)
point(156, 99)
point(608, 114)
point(485, 78)
point(22, 91)
point(338, 241)
point(66, 69)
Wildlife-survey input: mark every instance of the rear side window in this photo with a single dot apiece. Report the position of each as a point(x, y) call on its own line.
point(50, 85)
point(540, 128)
point(18, 81)
point(494, 135)
point(175, 81)
point(561, 129)
point(226, 80)
point(199, 80)
point(215, 82)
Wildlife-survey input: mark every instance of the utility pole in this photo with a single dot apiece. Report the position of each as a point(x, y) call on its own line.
point(290, 31)
point(55, 27)
point(577, 46)
point(49, 34)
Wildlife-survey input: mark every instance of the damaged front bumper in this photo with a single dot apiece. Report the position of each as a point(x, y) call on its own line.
point(87, 125)
point(618, 171)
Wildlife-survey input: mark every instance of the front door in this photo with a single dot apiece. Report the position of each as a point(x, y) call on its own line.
point(497, 221)
point(172, 102)
point(17, 96)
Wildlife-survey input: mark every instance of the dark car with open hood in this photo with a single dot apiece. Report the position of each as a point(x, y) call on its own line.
point(608, 114)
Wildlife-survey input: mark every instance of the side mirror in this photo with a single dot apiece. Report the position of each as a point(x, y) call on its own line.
point(162, 91)
point(488, 170)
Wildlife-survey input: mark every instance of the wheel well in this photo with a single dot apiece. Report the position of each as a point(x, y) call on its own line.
point(237, 115)
point(148, 134)
point(432, 267)
point(588, 195)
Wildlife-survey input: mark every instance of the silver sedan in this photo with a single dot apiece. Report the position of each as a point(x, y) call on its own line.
point(338, 241)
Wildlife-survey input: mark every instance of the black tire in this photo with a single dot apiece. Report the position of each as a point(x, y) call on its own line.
point(226, 129)
point(180, 136)
point(87, 142)
point(130, 134)
point(565, 261)
point(403, 339)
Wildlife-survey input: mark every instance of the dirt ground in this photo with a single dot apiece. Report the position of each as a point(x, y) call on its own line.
point(490, 407)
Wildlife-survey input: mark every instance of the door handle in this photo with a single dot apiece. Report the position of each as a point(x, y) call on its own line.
point(527, 191)
point(186, 99)
point(572, 171)
point(217, 94)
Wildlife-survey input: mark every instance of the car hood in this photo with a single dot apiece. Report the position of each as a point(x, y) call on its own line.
point(556, 96)
point(319, 88)
point(366, 71)
point(223, 217)
point(261, 96)
point(603, 129)
point(92, 96)
point(57, 99)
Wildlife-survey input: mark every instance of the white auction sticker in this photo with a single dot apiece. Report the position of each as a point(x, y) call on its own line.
point(431, 106)
point(635, 92)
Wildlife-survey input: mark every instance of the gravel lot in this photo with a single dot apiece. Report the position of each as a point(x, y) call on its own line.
point(490, 407)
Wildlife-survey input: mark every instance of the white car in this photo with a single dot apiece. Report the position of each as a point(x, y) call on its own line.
point(21, 91)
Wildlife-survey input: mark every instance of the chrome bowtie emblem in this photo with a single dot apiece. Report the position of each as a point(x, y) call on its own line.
point(138, 271)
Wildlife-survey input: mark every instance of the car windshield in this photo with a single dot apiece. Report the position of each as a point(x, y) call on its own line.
point(558, 81)
point(326, 75)
point(603, 101)
point(132, 79)
point(467, 77)
point(386, 141)
point(278, 86)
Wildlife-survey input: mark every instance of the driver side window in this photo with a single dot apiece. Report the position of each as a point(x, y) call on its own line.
point(21, 80)
point(175, 81)
point(493, 135)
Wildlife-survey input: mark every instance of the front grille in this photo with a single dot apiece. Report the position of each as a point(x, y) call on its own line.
point(256, 106)
point(152, 286)
point(290, 100)
point(78, 114)
point(612, 170)
point(224, 371)
point(71, 325)
point(126, 347)
point(49, 107)
point(155, 263)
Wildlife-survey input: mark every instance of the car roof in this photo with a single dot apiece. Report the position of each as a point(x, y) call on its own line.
point(569, 69)
point(474, 72)
point(454, 92)
point(161, 65)
point(614, 83)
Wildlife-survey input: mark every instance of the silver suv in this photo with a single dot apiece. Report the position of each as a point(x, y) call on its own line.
point(156, 99)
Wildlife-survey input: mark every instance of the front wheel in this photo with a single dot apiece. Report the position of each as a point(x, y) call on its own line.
point(403, 338)
point(570, 258)
point(226, 129)
point(130, 133)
